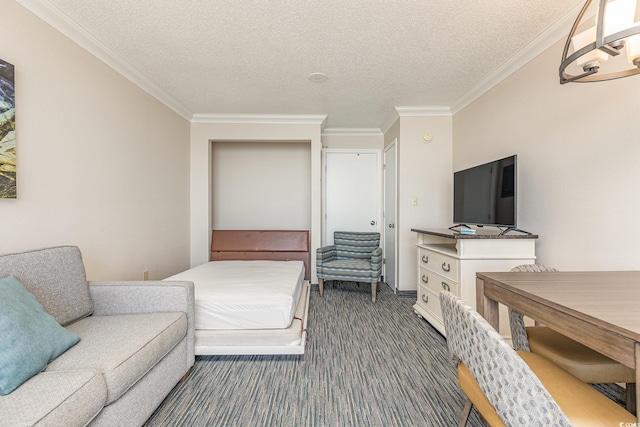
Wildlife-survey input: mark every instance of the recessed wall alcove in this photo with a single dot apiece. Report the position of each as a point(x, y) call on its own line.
point(219, 176)
point(260, 185)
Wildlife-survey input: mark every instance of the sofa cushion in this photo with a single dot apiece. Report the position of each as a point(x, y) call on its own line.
point(122, 347)
point(69, 398)
point(56, 277)
point(29, 337)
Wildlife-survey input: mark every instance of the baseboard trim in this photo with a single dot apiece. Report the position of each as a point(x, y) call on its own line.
point(406, 294)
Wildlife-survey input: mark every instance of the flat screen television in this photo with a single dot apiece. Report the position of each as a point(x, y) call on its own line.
point(486, 194)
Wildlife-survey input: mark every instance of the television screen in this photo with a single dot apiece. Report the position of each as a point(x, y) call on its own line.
point(486, 194)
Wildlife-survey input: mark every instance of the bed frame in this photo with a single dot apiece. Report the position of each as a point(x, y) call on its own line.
point(273, 245)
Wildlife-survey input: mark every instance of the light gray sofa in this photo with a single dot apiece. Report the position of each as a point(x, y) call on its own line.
point(136, 343)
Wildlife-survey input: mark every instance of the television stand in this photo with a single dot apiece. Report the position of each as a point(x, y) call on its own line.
point(508, 229)
point(447, 260)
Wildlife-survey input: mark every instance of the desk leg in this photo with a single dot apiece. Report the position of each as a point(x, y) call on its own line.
point(487, 308)
point(637, 348)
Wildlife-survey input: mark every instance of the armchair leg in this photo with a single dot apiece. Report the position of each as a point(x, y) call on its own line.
point(321, 286)
point(374, 291)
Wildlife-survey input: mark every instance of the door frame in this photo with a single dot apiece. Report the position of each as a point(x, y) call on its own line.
point(393, 146)
point(377, 153)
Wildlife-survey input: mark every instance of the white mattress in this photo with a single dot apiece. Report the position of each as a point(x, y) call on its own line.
point(291, 340)
point(245, 294)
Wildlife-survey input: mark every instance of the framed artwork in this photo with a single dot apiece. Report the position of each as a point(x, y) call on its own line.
point(7, 132)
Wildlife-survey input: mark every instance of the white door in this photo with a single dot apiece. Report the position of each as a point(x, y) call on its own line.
point(352, 191)
point(390, 211)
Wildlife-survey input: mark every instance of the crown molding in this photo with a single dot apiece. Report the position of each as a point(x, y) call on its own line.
point(391, 120)
point(65, 25)
point(544, 41)
point(280, 119)
point(415, 111)
point(424, 111)
point(352, 132)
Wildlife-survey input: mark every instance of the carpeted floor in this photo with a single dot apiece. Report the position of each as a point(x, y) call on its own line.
point(365, 365)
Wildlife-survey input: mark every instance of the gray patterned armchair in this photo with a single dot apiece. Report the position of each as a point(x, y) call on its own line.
point(354, 257)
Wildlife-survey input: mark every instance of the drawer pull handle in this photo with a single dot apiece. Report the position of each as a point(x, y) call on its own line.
point(425, 298)
point(446, 287)
point(446, 267)
point(425, 259)
point(425, 278)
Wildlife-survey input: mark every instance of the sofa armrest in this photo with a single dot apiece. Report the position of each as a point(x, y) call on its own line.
point(132, 297)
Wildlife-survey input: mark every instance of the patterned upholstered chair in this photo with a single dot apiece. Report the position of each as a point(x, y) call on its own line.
point(353, 257)
point(518, 389)
point(582, 362)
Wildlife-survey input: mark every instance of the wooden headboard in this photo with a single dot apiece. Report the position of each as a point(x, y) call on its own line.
point(274, 245)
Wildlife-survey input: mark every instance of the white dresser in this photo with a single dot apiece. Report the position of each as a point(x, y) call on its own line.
point(448, 260)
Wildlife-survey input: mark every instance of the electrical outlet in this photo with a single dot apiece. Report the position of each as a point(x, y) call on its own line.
point(145, 275)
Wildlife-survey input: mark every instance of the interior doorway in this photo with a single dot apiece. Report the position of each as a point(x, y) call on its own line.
point(351, 191)
point(390, 215)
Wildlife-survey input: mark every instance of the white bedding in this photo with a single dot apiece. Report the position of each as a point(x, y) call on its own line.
point(245, 294)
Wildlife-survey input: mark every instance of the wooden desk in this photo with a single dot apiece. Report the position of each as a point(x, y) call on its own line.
point(598, 309)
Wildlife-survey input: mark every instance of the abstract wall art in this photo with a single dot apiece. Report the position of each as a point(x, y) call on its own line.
point(7, 131)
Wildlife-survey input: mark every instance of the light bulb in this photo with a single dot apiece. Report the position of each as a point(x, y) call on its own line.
point(633, 50)
point(618, 17)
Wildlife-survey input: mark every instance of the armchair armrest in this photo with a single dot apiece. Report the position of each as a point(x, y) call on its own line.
point(376, 263)
point(132, 297)
point(326, 253)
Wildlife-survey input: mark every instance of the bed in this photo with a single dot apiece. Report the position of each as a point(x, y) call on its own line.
point(252, 297)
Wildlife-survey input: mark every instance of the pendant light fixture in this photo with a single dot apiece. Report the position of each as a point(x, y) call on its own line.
point(605, 49)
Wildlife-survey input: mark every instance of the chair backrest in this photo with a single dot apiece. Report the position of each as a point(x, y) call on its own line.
point(516, 320)
point(533, 268)
point(509, 384)
point(357, 245)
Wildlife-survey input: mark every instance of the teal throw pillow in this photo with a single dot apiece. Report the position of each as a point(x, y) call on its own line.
point(29, 337)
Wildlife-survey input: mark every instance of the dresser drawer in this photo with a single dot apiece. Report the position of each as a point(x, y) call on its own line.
point(439, 263)
point(430, 301)
point(435, 282)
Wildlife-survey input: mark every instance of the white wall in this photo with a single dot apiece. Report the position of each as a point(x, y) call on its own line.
point(100, 163)
point(578, 148)
point(261, 185)
point(424, 171)
point(202, 133)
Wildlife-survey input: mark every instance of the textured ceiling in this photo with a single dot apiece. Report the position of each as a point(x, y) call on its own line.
point(255, 56)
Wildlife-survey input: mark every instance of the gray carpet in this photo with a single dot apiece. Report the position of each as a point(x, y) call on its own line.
point(365, 365)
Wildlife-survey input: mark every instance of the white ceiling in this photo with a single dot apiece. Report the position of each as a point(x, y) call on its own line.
point(212, 57)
